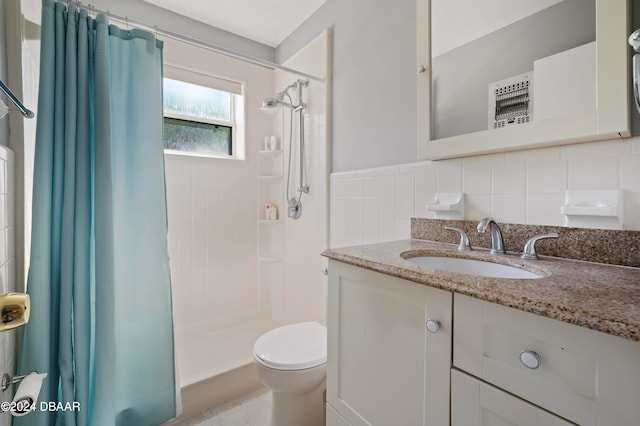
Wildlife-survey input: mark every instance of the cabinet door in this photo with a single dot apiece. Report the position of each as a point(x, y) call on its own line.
point(475, 403)
point(335, 419)
point(383, 366)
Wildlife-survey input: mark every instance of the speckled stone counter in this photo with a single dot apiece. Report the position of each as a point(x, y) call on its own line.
point(594, 245)
point(600, 297)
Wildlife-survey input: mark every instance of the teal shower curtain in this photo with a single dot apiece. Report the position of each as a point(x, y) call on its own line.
point(101, 321)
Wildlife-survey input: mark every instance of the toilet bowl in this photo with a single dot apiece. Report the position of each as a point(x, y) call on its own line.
point(291, 361)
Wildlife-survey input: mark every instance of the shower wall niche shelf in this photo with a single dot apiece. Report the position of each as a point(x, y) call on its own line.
point(271, 153)
point(270, 232)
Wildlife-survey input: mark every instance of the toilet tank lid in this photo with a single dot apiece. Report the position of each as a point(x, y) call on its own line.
point(293, 347)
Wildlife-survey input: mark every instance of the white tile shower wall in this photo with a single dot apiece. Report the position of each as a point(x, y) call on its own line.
point(213, 243)
point(211, 206)
point(7, 263)
point(302, 296)
point(375, 205)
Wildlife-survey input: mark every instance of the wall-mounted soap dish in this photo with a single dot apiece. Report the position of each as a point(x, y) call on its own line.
point(448, 205)
point(602, 208)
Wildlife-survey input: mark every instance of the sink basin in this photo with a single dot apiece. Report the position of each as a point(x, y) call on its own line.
point(471, 267)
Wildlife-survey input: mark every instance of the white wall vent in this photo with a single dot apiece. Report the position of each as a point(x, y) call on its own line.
point(511, 101)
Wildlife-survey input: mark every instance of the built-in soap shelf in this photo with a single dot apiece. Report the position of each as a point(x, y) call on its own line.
point(448, 205)
point(269, 221)
point(270, 152)
point(268, 178)
point(602, 208)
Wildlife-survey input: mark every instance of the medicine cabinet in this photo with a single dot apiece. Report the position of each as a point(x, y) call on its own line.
point(566, 61)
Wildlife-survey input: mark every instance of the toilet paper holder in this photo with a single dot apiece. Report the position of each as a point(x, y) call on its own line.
point(7, 380)
point(26, 395)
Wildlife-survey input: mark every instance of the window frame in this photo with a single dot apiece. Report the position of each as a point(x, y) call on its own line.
point(198, 79)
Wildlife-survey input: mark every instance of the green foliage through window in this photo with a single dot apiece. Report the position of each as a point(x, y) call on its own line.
point(202, 138)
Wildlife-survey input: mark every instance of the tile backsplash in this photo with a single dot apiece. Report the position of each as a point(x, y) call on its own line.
point(522, 187)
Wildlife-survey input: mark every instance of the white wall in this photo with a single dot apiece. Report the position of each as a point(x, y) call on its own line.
point(303, 291)
point(451, 29)
point(212, 214)
point(528, 187)
point(374, 79)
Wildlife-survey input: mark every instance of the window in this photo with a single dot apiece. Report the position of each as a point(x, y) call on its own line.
point(200, 118)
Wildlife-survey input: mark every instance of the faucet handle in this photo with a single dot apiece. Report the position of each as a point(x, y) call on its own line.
point(529, 252)
point(465, 244)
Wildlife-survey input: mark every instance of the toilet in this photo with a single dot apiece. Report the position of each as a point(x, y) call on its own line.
point(292, 361)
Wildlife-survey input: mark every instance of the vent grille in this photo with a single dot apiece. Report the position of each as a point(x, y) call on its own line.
point(511, 101)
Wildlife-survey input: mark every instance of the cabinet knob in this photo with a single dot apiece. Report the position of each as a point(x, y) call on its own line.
point(530, 359)
point(433, 325)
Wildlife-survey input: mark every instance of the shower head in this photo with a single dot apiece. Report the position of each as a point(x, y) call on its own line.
point(270, 103)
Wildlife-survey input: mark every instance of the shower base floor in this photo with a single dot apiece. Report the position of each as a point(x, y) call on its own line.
point(214, 353)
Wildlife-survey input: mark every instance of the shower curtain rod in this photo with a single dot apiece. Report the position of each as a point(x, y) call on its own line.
point(198, 43)
point(26, 112)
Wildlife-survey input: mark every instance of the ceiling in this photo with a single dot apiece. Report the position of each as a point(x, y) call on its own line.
point(266, 21)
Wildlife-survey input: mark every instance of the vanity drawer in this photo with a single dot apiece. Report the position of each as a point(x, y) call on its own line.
point(475, 403)
point(489, 340)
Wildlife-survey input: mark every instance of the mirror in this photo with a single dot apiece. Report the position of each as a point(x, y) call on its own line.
point(505, 75)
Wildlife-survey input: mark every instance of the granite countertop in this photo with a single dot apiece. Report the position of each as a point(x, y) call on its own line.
point(597, 296)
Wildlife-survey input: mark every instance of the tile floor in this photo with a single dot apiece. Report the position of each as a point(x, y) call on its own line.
point(252, 409)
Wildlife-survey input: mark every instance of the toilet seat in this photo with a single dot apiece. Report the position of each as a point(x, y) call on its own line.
point(292, 347)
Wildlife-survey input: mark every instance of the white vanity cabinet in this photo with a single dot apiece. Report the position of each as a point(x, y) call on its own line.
point(475, 403)
point(485, 364)
point(383, 366)
point(519, 367)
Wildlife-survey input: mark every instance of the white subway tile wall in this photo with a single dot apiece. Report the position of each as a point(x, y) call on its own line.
point(528, 187)
point(7, 265)
point(300, 293)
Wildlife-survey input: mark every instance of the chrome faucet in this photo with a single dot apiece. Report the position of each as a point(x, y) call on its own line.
point(465, 244)
point(497, 243)
point(529, 251)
